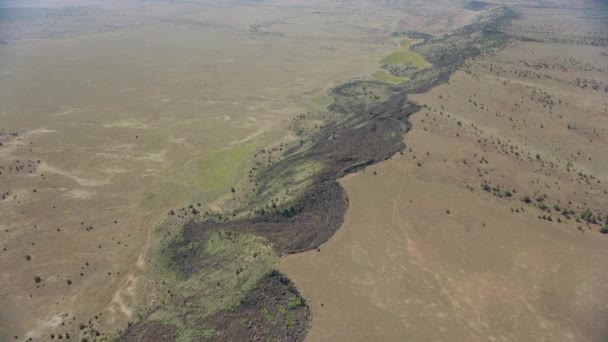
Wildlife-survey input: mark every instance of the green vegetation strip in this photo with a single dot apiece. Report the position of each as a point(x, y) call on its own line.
point(234, 265)
point(294, 200)
point(384, 76)
point(218, 170)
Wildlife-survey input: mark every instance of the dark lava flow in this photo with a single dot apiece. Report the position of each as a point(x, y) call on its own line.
point(368, 120)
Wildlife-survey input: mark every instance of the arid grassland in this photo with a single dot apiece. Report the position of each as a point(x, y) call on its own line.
point(285, 170)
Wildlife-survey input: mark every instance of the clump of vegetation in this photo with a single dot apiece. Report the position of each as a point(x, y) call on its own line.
point(497, 190)
point(588, 216)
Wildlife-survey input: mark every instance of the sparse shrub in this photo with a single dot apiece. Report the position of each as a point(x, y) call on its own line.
point(588, 216)
point(289, 212)
point(37, 279)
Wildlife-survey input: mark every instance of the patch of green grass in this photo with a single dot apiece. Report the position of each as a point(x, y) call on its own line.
point(288, 184)
point(294, 302)
point(241, 261)
point(384, 76)
point(406, 56)
point(322, 101)
point(235, 264)
point(218, 170)
point(289, 319)
point(267, 316)
point(407, 42)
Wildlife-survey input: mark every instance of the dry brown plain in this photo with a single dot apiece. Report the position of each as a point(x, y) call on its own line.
point(426, 254)
point(124, 110)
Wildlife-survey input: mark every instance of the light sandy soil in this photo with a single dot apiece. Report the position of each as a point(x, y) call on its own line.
point(425, 254)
